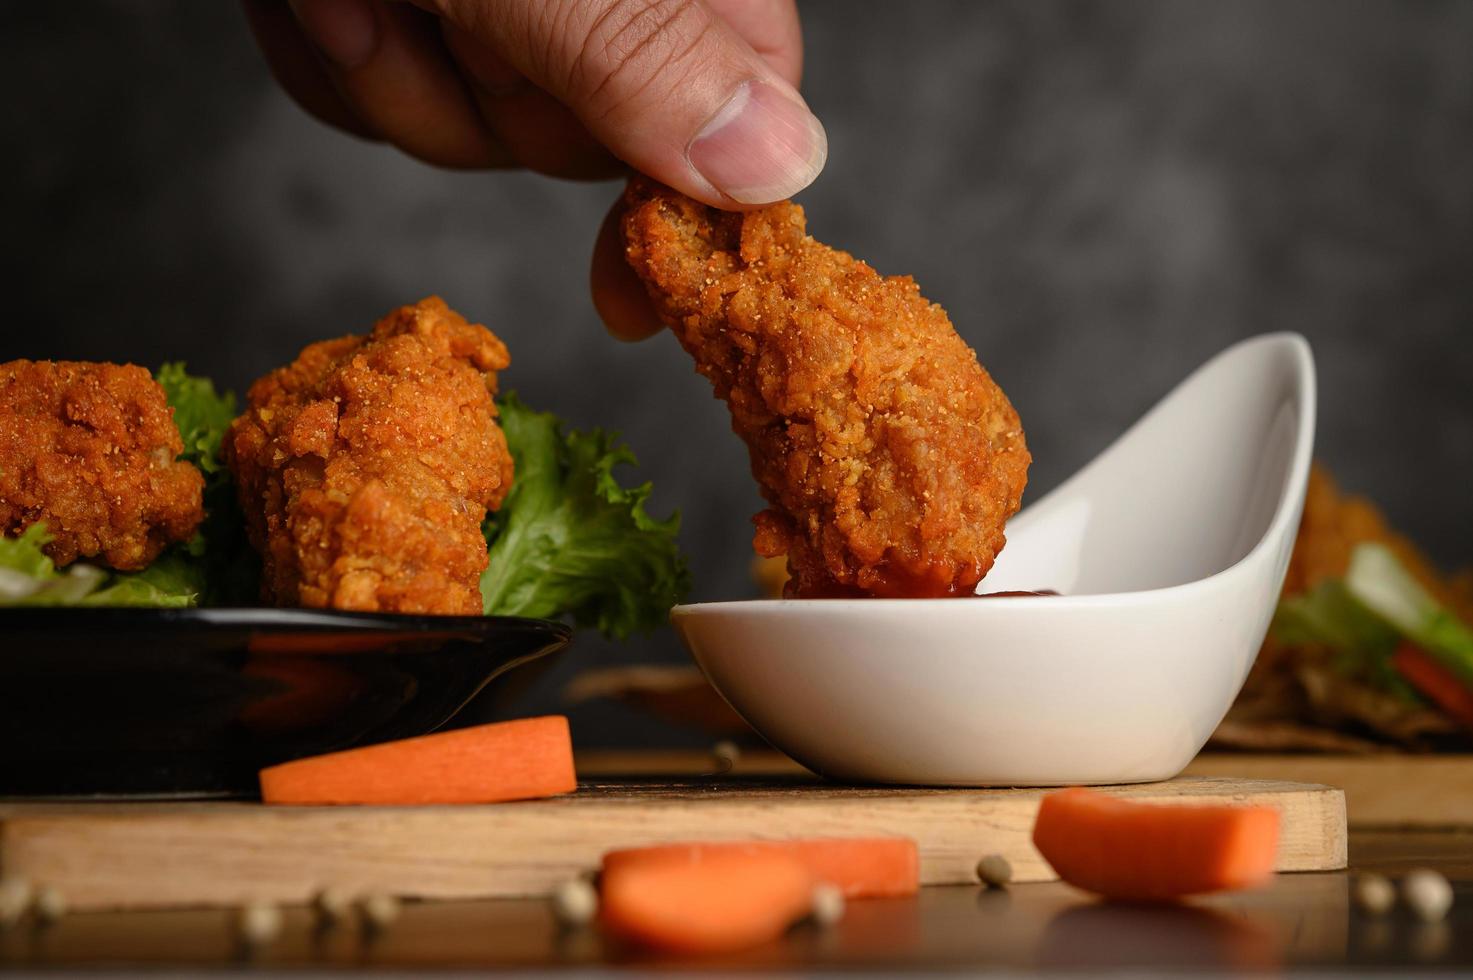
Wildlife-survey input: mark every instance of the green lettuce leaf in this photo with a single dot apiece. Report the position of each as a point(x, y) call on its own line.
point(1329, 616)
point(570, 540)
point(219, 561)
point(200, 413)
point(29, 578)
point(175, 579)
point(1380, 583)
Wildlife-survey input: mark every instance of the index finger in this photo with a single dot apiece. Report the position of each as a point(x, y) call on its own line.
point(619, 297)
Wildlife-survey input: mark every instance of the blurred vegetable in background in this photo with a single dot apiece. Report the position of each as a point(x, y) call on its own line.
point(1370, 646)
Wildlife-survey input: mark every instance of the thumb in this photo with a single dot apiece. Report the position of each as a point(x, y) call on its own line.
point(666, 85)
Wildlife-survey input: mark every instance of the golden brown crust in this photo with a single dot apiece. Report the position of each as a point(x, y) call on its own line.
point(91, 450)
point(366, 466)
point(888, 456)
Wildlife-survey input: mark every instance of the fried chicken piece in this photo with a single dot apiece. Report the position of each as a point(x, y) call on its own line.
point(888, 456)
point(367, 465)
point(91, 450)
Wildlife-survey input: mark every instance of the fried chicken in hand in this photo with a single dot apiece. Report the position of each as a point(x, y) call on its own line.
point(367, 465)
point(91, 451)
point(890, 460)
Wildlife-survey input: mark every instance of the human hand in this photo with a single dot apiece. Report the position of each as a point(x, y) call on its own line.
point(699, 94)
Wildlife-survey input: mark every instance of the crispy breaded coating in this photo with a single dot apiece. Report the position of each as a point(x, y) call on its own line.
point(888, 456)
point(91, 450)
point(367, 465)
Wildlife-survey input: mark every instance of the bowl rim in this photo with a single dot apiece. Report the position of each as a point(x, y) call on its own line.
point(265, 617)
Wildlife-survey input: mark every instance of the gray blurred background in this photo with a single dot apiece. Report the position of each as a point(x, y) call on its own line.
point(1103, 195)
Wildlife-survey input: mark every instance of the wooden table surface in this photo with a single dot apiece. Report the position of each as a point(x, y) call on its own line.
point(1301, 922)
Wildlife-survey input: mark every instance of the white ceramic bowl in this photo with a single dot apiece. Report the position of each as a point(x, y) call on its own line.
point(1169, 549)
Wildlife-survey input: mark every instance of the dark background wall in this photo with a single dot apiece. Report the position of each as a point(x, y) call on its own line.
point(1102, 194)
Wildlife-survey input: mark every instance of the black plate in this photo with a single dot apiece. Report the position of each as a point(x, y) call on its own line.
point(193, 702)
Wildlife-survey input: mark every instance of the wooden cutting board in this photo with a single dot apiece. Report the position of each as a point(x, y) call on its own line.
point(1383, 791)
point(150, 855)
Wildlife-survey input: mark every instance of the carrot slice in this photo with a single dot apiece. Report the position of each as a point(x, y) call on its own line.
point(1146, 852)
point(724, 902)
point(860, 867)
point(1435, 682)
point(509, 760)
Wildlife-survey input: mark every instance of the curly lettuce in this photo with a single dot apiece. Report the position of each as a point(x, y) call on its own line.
point(201, 414)
point(570, 540)
point(29, 578)
point(219, 559)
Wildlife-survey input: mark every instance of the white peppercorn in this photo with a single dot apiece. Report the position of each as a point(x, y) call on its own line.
point(574, 902)
point(49, 905)
point(828, 905)
point(379, 911)
point(726, 753)
point(15, 900)
point(1427, 893)
point(1374, 894)
point(257, 924)
point(333, 906)
point(994, 871)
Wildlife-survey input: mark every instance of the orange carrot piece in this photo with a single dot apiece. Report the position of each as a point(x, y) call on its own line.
point(723, 903)
point(509, 760)
point(860, 867)
point(1152, 852)
point(1435, 682)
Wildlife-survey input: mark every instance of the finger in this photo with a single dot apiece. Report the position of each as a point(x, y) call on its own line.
point(771, 27)
point(390, 65)
point(295, 65)
point(666, 85)
point(618, 295)
point(538, 131)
